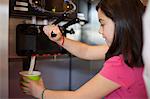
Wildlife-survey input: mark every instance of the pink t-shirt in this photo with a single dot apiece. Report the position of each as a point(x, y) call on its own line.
point(130, 79)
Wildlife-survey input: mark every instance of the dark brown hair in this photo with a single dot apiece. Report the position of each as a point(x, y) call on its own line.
point(128, 36)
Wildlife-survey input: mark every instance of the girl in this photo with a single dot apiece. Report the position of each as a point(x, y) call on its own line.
point(121, 76)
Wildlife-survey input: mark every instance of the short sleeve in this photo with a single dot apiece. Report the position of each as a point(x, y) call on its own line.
point(117, 71)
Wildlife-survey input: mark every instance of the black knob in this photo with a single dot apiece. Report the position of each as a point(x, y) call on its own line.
point(53, 34)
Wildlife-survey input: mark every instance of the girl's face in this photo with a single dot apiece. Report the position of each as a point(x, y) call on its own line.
point(107, 27)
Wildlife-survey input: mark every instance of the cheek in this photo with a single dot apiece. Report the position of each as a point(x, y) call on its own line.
point(109, 33)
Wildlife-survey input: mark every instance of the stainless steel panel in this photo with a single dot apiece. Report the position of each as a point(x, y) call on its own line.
point(4, 5)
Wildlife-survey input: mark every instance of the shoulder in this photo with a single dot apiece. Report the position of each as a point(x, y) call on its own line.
point(116, 70)
point(115, 61)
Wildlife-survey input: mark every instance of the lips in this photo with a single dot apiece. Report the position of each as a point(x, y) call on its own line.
point(104, 37)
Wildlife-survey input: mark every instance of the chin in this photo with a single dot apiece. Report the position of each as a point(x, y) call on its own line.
point(107, 42)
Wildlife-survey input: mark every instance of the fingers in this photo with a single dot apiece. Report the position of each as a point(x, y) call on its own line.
point(48, 29)
point(51, 28)
point(25, 84)
point(26, 79)
point(25, 89)
point(28, 93)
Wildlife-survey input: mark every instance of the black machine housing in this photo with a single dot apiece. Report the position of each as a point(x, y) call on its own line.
point(30, 39)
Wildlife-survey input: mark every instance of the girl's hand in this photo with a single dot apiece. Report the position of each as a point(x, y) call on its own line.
point(33, 88)
point(52, 28)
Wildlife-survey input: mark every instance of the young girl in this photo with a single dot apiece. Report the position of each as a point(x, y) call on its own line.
point(121, 76)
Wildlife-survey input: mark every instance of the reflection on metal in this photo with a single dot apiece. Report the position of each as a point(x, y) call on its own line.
point(40, 6)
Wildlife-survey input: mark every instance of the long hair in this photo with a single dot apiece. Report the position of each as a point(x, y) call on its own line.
point(128, 34)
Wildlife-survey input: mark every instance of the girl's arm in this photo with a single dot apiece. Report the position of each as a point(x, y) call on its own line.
point(77, 48)
point(83, 50)
point(96, 88)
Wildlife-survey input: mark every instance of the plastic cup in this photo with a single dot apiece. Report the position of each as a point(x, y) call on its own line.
point(36, 75)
